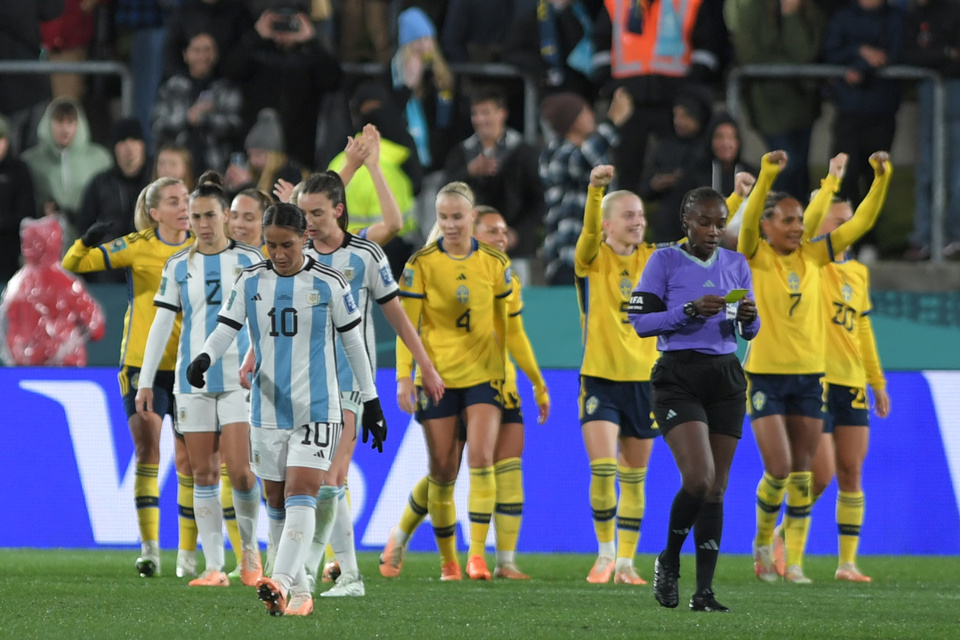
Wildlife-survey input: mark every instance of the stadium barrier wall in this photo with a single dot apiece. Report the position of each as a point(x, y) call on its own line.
point(70, 456)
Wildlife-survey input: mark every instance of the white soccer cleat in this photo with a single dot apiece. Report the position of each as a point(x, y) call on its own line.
point(794, 574)
point(346, 586)
point(763, 563)
point(186, 564)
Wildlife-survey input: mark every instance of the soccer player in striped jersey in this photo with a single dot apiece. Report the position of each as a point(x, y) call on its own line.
point(212, 422)
point(163, 228)
point(365, 267)
point(293, 307)
point(492, 229)
point(455, 291)
point(786, 362)
point(246, 215)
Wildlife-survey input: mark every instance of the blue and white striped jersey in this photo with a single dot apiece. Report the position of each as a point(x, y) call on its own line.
point(291, 320)
point(196, 286)
point(366, 269)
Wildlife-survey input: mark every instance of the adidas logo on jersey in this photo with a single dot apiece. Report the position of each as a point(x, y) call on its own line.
point(671, 414)
point(462, 277)
point(709, 283)
point(625, 273)
point(256, 297)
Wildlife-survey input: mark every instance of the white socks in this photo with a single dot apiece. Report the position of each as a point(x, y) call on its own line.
point(246, 504)
point(298, 530)
point(208, 513)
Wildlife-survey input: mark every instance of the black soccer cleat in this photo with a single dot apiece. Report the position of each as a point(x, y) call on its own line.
point(705, 601)
point(665, 579)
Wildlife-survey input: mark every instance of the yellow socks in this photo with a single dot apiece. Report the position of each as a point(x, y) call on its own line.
point(796, 523)
point(509, 507)
point(416, 510)
point(630, 510)
point(603, 502)
point(850, 507)
point(188, 526)
point(769, 500)
point(146, 495)
point(229, 514)
point(482, 496)
point(443, 515)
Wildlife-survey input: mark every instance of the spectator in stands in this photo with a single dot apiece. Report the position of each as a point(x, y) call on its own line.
point(66, 39)
point(265, 162)
point(64, 162)
point(424, 87)
point(502, 170)
point(23, 97)
point(475, 30)
point(553, 42)
point(864, 36)
point(16, 203)
point(144, 20)
point(112, 195)
point(675, 154)
point(782, 111)
point(224, 20)
point(565, 167)
point(174, 161)
point(932, 39)
point(370, 18)
point(197, 110)
point(653, 49)
point(282, 65)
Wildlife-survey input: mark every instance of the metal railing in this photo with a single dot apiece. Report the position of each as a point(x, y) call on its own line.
point(824, 72)
point(89, 68)
point(492, 70)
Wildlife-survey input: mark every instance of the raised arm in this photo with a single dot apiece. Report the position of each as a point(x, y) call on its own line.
point(819, 205)
point(391, 218)
point(742, 186)
point(866, 214)
point(80, 257)
point(749, 238)
point(588, 244)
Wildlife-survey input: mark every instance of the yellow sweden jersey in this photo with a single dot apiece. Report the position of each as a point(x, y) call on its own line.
point(611, 348)
point(457, 310)
point(846, 300)
point(789, 303)
point(143, 254)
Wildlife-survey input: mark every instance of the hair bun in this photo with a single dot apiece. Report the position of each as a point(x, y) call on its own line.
point(210, 177)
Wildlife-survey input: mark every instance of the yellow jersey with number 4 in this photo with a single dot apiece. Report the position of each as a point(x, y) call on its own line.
point(851, 349)
point(458, 302)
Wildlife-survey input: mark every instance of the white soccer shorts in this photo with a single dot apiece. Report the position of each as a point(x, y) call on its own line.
point(207, 412)
point(311, 445)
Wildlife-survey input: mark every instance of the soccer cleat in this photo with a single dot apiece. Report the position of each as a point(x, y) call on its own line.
point(602, 570)
point(763, 563)
point(795, 575)
point(628, 576)
point(300, 604)
point(665, 584)
point(705, 601)
point(235, 574)
point(391, 560)
point(510, 572)
point(249, 568)
point(779, 549)
point(273, 598)
point(346, 586)
point(849, 572)
point(331, 571)
point(211, 578)
point(477, 568)
point(148, 564)
point(451, 571)
point(186, 563)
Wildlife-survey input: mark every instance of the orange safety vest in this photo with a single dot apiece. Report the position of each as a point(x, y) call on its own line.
point(643, 54)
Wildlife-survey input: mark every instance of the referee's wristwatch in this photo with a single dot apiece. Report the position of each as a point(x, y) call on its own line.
point(690, 310)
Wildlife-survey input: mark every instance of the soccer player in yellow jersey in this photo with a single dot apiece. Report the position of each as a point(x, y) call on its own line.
point(852, 363)
point(785, 363)
point(492, 229)
point(455, 290)
point(162, 219)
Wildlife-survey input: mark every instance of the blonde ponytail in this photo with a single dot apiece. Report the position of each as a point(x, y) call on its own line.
point(150, 199)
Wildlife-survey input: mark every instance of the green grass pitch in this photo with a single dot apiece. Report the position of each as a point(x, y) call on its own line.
point(96, 594)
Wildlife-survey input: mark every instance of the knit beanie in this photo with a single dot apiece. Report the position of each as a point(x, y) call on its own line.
point(267, 133)
point(561, 110)
point(414, 24)
point(127, 129)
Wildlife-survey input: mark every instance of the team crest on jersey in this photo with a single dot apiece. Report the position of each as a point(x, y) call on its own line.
point(591, 405)
point(386, 276)
point(793, 281)
point(118, 244)
point(626, 288)
point(233, 296)
point(846, 292)
point(313, 298)
point(407, 277)
point(463, 294)
point(759, 400)
point(163, 285)
point(349, 272)
point(237, 270)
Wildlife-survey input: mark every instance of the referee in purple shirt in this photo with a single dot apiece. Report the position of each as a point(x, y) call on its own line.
point(697, 386)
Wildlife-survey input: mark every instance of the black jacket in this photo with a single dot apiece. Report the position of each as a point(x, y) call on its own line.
point(927, 34)
point(16, 203)
point(20, 40)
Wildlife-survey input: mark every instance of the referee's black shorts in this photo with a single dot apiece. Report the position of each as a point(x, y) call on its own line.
point(690, 386)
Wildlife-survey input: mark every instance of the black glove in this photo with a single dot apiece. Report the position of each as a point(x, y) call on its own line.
point(96, 233)
point(374, 423)
point(196, 369)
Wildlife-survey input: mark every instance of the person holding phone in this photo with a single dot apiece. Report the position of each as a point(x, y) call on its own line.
point(696, 297)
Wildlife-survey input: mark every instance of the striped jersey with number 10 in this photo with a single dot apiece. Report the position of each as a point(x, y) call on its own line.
point(291, 320)
point(196, 285)
point(367, 271)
